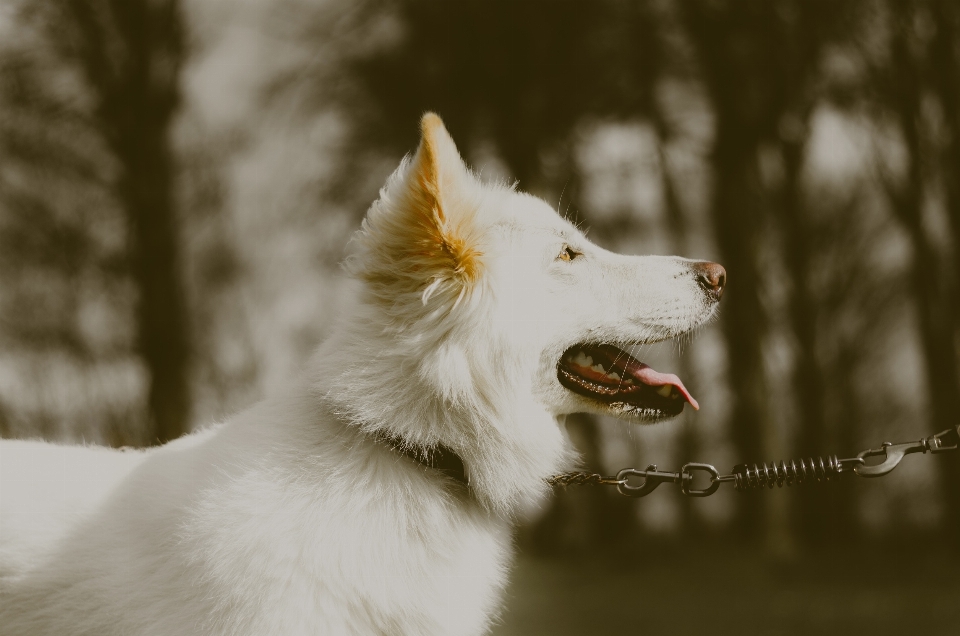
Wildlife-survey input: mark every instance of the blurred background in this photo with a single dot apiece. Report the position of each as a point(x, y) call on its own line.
point(179, 179)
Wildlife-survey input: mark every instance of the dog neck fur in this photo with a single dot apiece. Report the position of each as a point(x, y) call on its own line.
point(424, 314)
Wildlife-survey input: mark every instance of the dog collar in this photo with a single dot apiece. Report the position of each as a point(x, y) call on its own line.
point(439, 458)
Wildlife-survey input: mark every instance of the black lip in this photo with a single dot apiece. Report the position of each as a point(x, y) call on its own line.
point(639, 397)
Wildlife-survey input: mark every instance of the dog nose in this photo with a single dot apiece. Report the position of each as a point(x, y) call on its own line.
point(711, 277)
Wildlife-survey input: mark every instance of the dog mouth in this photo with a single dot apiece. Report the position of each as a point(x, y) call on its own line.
point(612, 376)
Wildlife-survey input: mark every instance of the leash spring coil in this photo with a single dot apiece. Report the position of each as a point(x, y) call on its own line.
point(789, 473)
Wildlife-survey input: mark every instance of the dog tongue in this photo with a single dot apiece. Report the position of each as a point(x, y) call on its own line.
point(651, 377)
point(613, 359)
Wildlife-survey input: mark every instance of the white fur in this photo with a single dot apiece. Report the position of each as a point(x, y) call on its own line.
point(291, 518)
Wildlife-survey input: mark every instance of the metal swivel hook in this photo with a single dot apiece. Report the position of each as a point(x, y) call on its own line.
point(651, 479)
point(893, 453)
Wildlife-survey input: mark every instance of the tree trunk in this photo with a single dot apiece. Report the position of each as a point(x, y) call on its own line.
point(737, 221)
point(842, 510)
point(131, 53)
point(930, 286)
point(146, 195)
point(946, 77)
point(945, 74)
point(807, 373)
point(4, 423)
point(719, 35)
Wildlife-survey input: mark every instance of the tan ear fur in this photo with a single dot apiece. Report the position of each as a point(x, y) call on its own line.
point(421, 229)
point(438, 172)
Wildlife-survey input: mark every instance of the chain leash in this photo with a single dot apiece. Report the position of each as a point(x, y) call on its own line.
point(746, 477)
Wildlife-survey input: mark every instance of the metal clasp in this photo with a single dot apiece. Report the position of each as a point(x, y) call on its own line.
point(947, 440)
point(688, 480)
point(893, 453)
point(651, 479)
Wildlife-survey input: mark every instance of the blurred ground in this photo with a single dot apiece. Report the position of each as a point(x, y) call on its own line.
point(736, 592)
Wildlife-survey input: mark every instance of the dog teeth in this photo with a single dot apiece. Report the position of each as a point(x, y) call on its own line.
point(628, 381)
point(665, 390)
point(583, 360)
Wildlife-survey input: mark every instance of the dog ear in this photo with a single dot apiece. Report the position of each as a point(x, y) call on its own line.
point(419, 238)
point(437, 164)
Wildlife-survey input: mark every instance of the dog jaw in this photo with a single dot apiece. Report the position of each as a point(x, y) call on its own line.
point(598, 298)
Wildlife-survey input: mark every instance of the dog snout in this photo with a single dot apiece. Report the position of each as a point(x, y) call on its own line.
point(711, 277)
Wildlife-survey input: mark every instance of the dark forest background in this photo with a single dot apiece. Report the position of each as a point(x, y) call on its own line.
point(179, 179)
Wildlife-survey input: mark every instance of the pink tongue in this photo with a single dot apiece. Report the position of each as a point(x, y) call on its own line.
point(652, 377)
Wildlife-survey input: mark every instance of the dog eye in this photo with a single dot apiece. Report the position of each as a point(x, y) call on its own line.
point(568, 253)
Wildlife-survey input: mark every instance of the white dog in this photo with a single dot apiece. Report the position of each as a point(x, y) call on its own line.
point(376, 496)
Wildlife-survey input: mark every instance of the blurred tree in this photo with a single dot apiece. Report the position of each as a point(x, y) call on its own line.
point(945, 62)
point(92, 89)
point(130, 53)
point(853, 304)
point(760, 62)
point(737, 45)
point(807, 28)
point(512, 73)
point(59, 253)
point(902, 83)
point(48, 152)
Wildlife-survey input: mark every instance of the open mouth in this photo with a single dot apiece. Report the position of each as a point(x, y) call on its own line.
point(610, 375)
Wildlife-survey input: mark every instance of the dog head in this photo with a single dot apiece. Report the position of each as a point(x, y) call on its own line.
point(486, 316)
